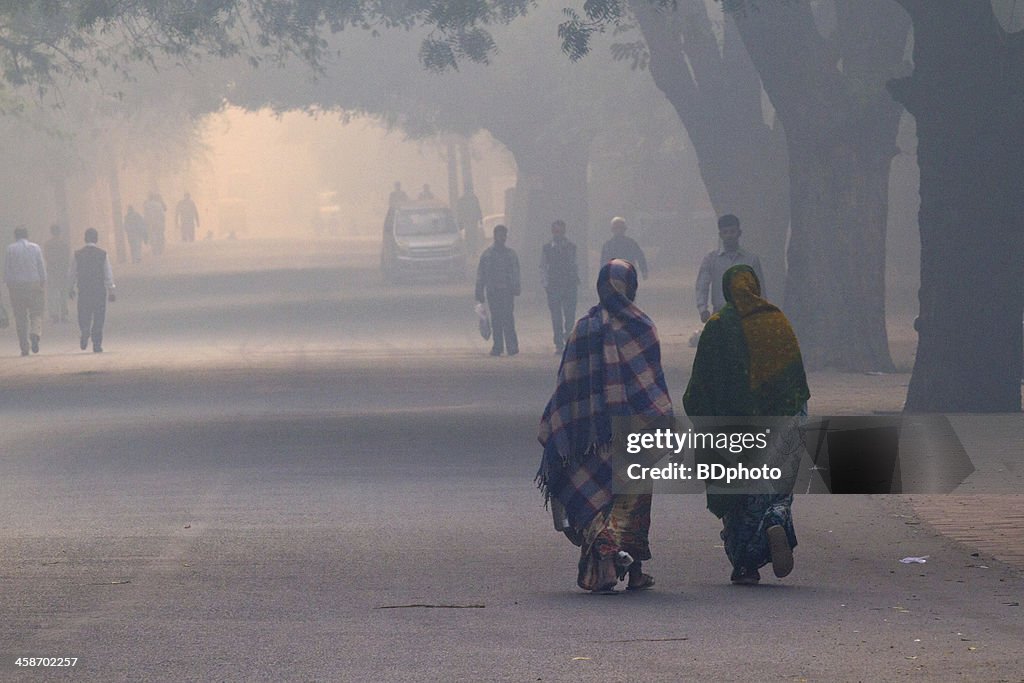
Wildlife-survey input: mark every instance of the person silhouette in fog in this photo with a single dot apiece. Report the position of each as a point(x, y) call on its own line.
point(497, 285)
point(91, 273)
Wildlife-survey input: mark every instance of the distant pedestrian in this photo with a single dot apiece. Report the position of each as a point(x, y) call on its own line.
point(623, 247)
point(714, 265)
point(25, 274)
point(425, 193)
point(92, 275)
point(186, 215)
point(398, 197)
point(560, 275)
point(135, 231)
point(748, 363)
point(611, 369)
point(497, 285)
point(57, 254)
point(469, 215)
point(155, 213)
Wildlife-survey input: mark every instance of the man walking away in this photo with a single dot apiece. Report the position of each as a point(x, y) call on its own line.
point(714, 265)
point(560, 275)
point(186, 215)
point(57, 254)
point(91, 273)
point(25, 273)
point(623, 247)
point(497, 284)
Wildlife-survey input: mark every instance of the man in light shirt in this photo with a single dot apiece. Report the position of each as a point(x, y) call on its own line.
point(714, 265)
point(25, 274)
point(92, 275)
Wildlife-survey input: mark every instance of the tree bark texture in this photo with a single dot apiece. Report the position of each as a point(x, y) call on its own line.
point(841, 128)
point(551, 183)
point(967, 96)
point(717, 94)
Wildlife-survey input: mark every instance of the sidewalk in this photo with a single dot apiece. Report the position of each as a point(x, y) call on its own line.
point(992, 524)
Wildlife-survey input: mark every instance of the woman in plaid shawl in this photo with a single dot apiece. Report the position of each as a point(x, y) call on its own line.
point(611, 367)
point(748, 363)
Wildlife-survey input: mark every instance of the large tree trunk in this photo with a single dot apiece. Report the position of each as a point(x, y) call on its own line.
point(841, 130)
point(965, 94)
point(551, 184)
point(717, 95)
point(836, 287)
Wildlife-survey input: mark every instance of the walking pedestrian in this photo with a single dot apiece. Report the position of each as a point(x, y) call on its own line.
point(186, 215)
point(25, 275)
point(624, 247)
point(560, 275)
point(611, 368)
point(748, 363)
point(92, 275)
point(715, 263)
point(497, 285)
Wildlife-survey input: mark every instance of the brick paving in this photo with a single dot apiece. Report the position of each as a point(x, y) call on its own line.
point(992, 524)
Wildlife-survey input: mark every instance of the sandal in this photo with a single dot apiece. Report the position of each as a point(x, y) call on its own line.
point(646, 583)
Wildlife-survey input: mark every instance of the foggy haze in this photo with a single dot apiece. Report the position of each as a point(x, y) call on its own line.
point(298, 438)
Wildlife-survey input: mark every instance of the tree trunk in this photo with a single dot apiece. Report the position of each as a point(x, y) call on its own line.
point(551, 184)
point(717, 95)
point(965, 94)
point(841, 130)
point(835, 295)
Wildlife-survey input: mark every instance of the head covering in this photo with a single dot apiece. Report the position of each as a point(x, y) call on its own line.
point(748, 363)
point(611, 366)
point(748, 360)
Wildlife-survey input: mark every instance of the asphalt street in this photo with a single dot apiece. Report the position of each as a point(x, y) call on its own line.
point(282, 469)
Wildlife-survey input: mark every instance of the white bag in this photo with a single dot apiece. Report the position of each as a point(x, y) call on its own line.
point(484, 314)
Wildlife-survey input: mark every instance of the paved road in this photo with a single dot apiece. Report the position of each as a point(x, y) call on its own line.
point(281, 470)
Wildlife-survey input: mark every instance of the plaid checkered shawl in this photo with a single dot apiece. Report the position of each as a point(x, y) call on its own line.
point(611, 366)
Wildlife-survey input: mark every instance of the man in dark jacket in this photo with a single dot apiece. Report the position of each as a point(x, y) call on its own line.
point(620, 246)
point(560, 275)
point(497, 284)
point(91, 272)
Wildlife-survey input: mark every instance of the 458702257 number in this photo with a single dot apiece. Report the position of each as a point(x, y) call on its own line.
point(46, 661)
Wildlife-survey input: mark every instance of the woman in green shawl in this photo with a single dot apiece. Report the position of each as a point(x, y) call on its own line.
point(748, 363)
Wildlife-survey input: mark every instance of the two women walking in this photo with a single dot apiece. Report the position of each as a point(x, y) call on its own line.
point(748, 363)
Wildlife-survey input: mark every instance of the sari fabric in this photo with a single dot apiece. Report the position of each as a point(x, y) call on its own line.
point(748, 363)
point(611, 366)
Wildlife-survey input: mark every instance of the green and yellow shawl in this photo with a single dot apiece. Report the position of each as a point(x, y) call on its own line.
point(748, 361)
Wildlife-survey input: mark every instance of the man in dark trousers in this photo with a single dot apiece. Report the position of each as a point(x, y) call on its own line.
point(497, 277)
point(560, 275)
point(623, 247)
point(91, 273)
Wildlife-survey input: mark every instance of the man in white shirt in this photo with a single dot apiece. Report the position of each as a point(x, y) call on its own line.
point(714, 265)
point(25, 274)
